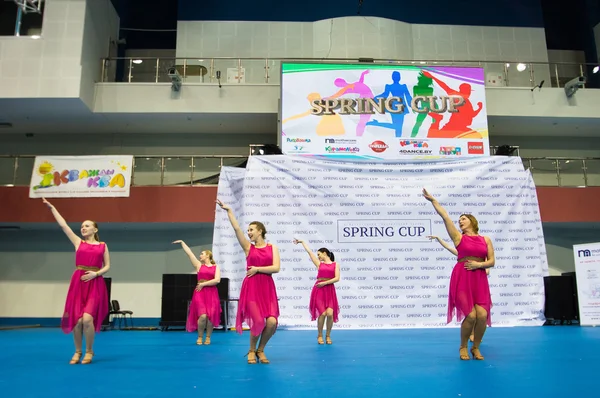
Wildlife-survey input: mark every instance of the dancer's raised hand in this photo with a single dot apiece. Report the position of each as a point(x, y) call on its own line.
point(223, 205)
point(296, 241)
point(50, 205)
point(427, 195)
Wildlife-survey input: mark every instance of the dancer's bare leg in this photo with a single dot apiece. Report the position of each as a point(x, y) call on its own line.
point(329, 313)
point(252, 351)
point(320, 324)
point(78, 340)
point(480, 328)
point(268, 332)
point(209, 330)
point(465, 331)
point(201, 327)
point(89, 333)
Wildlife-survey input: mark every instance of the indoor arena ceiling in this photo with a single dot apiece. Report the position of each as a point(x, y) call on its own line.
point(72, 116)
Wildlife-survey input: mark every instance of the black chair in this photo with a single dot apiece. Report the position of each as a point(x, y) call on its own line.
point(223, 289)
point(122, 313)
point(115, 314)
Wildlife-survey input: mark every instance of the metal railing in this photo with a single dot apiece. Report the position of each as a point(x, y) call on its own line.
point(204, 170)
point(268, 70)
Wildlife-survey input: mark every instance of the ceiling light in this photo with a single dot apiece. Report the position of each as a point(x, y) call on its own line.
point(596, 69)
point(35, 37)
point(521, 67)
point(137, 61)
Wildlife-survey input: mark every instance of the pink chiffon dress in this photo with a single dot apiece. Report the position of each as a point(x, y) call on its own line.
point(324, 297)
point(469, 288)
point(206, 301)
point(258, 296)
point(86, 297)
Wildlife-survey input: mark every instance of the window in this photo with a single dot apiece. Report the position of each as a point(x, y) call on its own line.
point(31, 21)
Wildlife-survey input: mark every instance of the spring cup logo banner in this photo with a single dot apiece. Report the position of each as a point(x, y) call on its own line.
point(538, 225)
point(226, 249)
point(378, 111)
point(375, 220)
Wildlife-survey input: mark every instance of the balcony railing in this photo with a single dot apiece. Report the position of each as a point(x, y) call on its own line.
point(268, 70)
point(204, 170)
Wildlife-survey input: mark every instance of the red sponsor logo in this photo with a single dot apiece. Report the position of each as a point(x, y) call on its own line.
point(475, 148)
point(378, 146)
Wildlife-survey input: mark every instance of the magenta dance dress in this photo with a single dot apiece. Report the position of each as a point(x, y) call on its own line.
point(258, 296)
point(89, 297)
point(469, 288)
point(206, 301)
point(324, 297)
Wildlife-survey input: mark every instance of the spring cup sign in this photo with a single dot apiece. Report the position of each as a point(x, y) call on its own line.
point(373, 111)
point(373, 217)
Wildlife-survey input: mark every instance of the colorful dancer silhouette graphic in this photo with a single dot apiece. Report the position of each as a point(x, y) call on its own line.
point(424, 87)
point(460, 122)
point(329, 125)
point(396, 90)
point(359, 88)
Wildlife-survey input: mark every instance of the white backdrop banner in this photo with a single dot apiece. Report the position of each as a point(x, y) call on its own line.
point(81, 176)
point(375, 220)
point(538, 225)
point(587, 271)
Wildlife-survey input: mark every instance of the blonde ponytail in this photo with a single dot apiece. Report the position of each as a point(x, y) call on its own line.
point(210, 256)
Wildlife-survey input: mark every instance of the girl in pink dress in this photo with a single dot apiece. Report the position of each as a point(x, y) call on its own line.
point(469, 294)
point(453, 250)
point(87, 299)
point(323, 299)
point(258, 305)
point(205, 309)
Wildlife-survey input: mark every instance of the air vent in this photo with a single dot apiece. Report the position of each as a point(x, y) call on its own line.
point(5, 125)
point(9, 228)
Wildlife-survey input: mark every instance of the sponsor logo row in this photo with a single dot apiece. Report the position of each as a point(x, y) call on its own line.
point(413, 146)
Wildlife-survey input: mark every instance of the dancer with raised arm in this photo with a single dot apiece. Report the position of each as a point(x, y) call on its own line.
point(469, 293)
point(258, 305)
point(205, 308)
point(87, 299)
point(452, 250)
point(323, 299)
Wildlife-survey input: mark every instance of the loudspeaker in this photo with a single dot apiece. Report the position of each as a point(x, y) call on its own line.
point(573, 276)
point(108, 282)
point(177, 290)
point(560, 303)
point(223, 289)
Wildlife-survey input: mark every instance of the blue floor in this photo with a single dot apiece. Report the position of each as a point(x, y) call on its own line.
point(520, 362)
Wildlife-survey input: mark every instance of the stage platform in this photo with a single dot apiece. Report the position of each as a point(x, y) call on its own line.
point(548, 361)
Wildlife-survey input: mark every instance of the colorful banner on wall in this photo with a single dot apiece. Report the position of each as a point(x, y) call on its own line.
point(587, 271)
point(375, 111)
point(81, 176)
point(373, 217)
